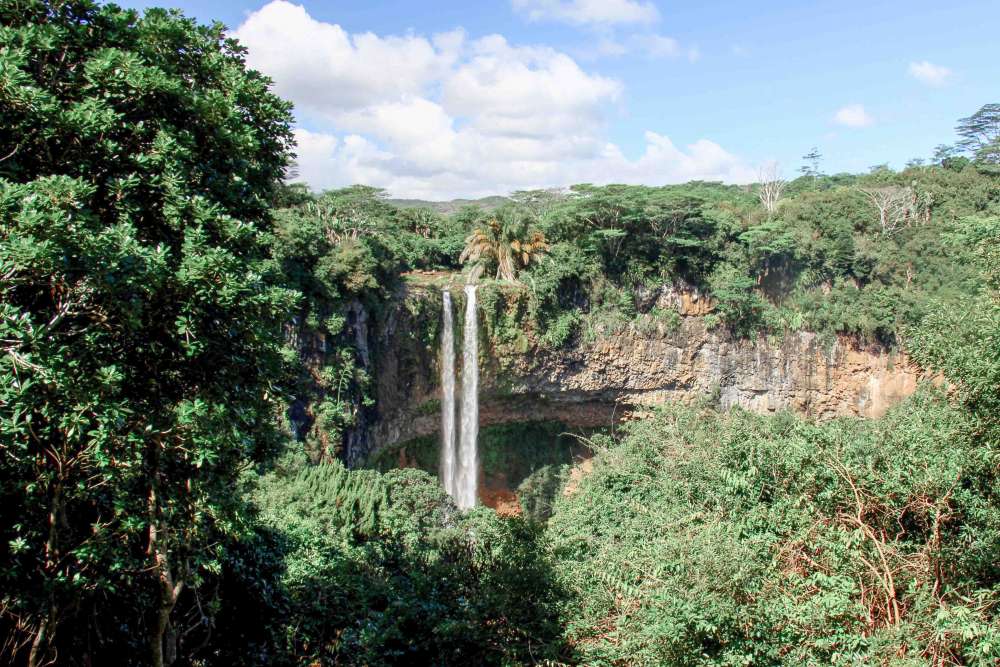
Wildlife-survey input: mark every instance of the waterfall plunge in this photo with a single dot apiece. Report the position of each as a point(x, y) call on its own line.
point(460, 470)
point(468, 456)
point(449, 456)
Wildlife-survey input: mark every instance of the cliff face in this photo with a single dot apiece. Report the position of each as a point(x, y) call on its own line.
point(797, 373)
point(594, 384)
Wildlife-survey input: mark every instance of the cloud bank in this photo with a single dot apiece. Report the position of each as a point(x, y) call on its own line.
point(446, 116)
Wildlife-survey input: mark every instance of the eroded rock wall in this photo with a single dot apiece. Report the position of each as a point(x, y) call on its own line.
point(597, 383)
point(798, 372)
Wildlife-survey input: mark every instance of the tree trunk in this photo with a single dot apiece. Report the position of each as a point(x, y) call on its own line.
point(39, 644)
point(162, 639)
point(163, 653)
point(47, 627)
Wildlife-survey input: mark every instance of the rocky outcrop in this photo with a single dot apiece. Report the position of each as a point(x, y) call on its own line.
point(686, 300)
point(797, 373)
point(597, 383)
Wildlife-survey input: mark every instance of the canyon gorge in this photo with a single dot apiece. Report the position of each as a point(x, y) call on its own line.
point(590, 384)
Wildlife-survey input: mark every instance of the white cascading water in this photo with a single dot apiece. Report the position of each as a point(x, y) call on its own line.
point(468, 456)
point(449, 456)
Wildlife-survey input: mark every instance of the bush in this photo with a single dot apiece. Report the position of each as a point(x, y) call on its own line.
point(702, 538)
point(382, 569)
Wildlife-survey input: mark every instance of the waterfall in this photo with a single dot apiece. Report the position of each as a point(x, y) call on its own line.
point(468, 456)
point(448, 454)
point(460, 469)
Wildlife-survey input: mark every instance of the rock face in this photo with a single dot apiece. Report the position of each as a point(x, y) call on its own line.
point(797, 373)
point(597, 383)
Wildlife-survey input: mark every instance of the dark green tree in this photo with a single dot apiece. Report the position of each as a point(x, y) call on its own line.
point(944, 152)
point(811, 166)
point(140, 321)
point(980, 134)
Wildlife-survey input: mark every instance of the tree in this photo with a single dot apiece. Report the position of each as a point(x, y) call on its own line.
point(507, 240)
point(896, 206)
point(538, 202)
point(943, 152)
point(771, 187)
point(980, 134)
point(140, 318)
point(811, 166)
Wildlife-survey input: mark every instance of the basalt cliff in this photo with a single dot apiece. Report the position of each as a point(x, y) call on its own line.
point(611, 377)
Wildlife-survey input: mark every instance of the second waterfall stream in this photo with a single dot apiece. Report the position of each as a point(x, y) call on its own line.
point(460, 469)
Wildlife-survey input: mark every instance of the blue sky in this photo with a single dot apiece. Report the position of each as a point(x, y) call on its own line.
point(446, 98)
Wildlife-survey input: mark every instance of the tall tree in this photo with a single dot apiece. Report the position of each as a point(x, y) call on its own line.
point(140, 330)
point(896, 206)
point(812, 160)
point(944, 152)
point(505, 240)
point(980, 134)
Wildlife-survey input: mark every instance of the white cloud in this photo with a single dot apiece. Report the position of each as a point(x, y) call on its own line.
point(481, 165)
point(447, 116)
point(853, 115)
point(929, 73)
point(658, 46)
point(525, 91)
point(589, 12)
point(662, 162)
point(324, 69)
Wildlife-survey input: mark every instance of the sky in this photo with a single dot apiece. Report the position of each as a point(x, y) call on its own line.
point(449, 98)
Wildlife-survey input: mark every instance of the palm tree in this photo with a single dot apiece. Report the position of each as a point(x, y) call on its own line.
point(507, 240)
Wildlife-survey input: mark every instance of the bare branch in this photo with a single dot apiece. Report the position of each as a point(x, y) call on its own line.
point(771, 187)
point(897, 207)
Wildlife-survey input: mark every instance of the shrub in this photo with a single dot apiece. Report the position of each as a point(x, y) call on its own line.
point(382, 569)
point(702, 538)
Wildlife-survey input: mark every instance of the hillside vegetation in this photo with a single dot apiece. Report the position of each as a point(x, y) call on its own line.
point(157, 508)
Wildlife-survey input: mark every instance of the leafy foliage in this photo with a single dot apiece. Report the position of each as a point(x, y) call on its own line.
point(383, 569)
point(140, 319)
point(153, 267)
point(720, 540)
point(980, 134)
point(964, 342)
point(822, 259)
point(506, 240)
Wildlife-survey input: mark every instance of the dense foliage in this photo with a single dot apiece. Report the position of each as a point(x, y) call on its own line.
point(707, 539)
point(140, 320)
point(821, 261)
point(382, 569)
point(725, 540)
point(344, 252)
point(856, 255)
